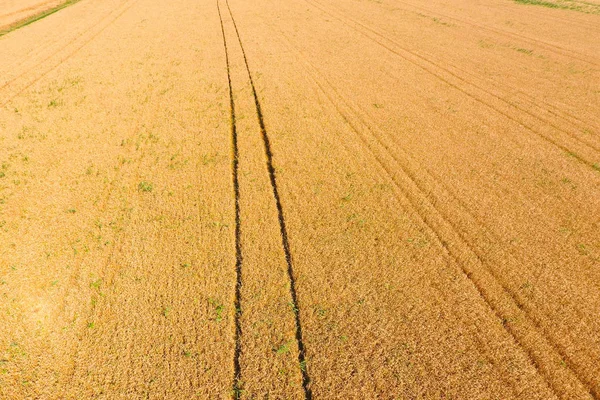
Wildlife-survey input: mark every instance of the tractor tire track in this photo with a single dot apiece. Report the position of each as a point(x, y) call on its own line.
point(482, 232)
point(543, 44)
point(436, 221)
point(282, 224)
point(41, 48)
point(568, 118)
point(426, 65)
point(27, 84)
point(581, 125)
point(45, 46)
point(455, 259)
point(236, 385)
point(480, 345)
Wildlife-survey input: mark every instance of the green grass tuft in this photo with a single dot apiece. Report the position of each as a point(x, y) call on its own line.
point(573, 5)
point(542, 3)
point(145, 186)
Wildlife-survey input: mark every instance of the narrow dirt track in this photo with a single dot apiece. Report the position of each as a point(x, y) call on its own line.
point(303, 200)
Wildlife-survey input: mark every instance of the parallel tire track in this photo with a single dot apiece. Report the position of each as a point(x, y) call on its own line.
point(561, 114)
point(42, 47)
point(282, 225)
point(435, 220)
point(533, 103)
point(119, 12)
point(567, 117)
point(549, 46)
point(430, 66)
point(236, 385)
point(36, 17)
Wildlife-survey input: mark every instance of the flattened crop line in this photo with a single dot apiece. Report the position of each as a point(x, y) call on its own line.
point(551, 47)
point(119, 12)
point(282, 226)
point(236, 389)
point(426, 65)
point(36, 17)
point(430, 220)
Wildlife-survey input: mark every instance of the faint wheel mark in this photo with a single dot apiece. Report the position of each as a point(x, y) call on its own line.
point(456, 260)
point(125, 7)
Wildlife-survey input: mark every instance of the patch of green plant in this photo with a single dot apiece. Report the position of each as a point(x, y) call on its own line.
point(96, 284)
point(145, 186)
point(418, 242)
point(283, 349)
point(438, 21)
point(525, 285)
point(293, 307)
point(219, 309)
point(237, 391)
point(355, 218)
point(219, 224)
point(542, 3)
point(579, 6)
point(582, 249)
point(485, 45)
point(524, 51)
point(321, 312)
point(303, 365)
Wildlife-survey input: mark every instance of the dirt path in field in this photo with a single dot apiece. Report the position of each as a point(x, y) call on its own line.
point(358, 199)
